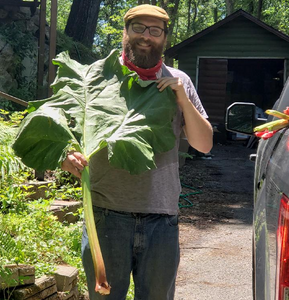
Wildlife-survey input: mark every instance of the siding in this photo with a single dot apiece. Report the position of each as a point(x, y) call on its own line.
point(240, 38)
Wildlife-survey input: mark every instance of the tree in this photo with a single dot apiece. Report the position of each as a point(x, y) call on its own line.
point(82, 21)
point(230, 6)
point(260, 7)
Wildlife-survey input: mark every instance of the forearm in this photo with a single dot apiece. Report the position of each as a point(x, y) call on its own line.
point(198, 130)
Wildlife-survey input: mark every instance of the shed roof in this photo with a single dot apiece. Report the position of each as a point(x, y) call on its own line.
point(173, 51)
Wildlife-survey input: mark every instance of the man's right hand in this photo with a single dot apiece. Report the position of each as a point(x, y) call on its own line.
point(74, 163)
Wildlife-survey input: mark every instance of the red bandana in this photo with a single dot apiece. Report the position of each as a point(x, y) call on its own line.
point(144, 74)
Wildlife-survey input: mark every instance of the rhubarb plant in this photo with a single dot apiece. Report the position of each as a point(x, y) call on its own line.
point(93, 107)
point(268, 129)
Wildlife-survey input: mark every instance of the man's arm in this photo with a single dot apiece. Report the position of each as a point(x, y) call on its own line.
point(198, 130)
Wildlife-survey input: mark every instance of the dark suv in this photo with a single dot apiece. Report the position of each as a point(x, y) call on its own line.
point(271, 201)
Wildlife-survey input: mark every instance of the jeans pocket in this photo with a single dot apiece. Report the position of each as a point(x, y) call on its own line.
point(172, 220)
point(99, 216)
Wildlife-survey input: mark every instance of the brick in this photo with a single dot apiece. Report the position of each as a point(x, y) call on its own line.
point(41, 284)
point(65, 210)
point(16, 278)
point(72, 295)
point(66, 278)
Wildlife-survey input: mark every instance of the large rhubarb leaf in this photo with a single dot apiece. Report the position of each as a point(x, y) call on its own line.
point(96, 106)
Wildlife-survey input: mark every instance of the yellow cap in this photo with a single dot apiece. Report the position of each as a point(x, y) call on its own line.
point(146, 10)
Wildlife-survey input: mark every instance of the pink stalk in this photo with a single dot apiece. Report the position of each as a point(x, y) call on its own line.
point(101, 284)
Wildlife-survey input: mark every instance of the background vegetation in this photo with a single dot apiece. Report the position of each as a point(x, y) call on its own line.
point(188, 17)
point(29, 232)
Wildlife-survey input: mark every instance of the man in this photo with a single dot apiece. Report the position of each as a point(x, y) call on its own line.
point(137, 215)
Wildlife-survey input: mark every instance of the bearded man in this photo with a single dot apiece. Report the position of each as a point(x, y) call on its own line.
point(136, 216)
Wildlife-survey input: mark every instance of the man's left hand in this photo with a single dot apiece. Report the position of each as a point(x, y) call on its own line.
point(176, 85)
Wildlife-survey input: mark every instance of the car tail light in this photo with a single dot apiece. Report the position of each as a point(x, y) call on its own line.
point(282, 284)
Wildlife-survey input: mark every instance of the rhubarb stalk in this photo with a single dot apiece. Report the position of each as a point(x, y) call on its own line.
point(267, 130)
point(101, 284)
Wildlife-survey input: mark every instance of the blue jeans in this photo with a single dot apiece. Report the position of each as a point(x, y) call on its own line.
point(144, 245)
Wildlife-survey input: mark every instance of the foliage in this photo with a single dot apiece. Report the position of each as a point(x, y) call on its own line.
point(110, 26)
point(8, 282)
point(192, 17)
point(76, 50)
point(104, 102)
point(42, 240)
point(24, 45)
point(9, 163)
point(8, 246)
point(63, 10)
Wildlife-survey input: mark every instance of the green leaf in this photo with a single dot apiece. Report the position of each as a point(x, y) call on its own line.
point(96, 106)
point(42, 138)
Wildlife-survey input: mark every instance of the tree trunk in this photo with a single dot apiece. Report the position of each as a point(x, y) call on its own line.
point(82, 21)
point(215, 13)
point(260, 7)
point(230, 7)
point(195, 16)
point(189, 16)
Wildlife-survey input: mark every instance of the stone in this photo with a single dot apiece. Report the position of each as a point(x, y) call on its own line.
point(20, 275)
point(29, 71)
point(66, 278)
point(3, 13)
point(72, 295)
point(43, 287)
point(65, 210)
point(37, 189)
point(26, 11)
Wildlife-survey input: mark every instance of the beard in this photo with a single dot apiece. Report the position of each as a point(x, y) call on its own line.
point(140, 58)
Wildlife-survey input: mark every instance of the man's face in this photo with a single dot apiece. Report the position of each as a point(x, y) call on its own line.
point(143, 49)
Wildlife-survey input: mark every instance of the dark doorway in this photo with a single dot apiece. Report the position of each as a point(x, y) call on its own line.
point(224, 81)
point(259, 81)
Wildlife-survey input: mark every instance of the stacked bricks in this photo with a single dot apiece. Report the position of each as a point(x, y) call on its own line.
point(21, 282)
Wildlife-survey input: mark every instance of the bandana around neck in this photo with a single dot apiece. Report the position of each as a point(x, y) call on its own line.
point(144, 74)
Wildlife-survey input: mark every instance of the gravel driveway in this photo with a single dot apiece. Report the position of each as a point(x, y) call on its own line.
point(216, 227)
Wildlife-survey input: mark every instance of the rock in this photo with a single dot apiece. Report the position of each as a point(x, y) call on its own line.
point(26, 11)
point(65, 210)
point(3, 13)
point(29, 71)
point(72, 295)
point(66, 278)
point(37, 189)
point(19, 275)
point(44, 288)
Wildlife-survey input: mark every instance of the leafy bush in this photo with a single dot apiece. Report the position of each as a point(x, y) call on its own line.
point(29, 233)
point(9, 163)
point(41, 240)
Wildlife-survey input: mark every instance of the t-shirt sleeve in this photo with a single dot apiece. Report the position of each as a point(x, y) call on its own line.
point(194, 97)
point(188, 86)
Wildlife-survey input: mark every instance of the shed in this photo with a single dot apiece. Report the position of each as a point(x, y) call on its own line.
point(240, 58)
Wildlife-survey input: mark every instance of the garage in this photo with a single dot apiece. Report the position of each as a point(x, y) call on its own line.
point(237, 59)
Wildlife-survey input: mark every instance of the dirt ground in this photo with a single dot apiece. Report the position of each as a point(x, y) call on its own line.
point(215, 225)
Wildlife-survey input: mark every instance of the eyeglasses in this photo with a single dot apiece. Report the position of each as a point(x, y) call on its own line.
point(141, 28)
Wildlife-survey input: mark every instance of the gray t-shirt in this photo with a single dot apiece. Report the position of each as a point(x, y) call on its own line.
point(154, 191)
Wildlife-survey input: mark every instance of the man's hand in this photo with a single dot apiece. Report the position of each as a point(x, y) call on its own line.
point(74, 163)
point(176, 85)
point(197, 129)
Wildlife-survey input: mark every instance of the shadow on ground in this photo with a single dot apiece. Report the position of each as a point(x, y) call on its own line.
point(218, 189)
